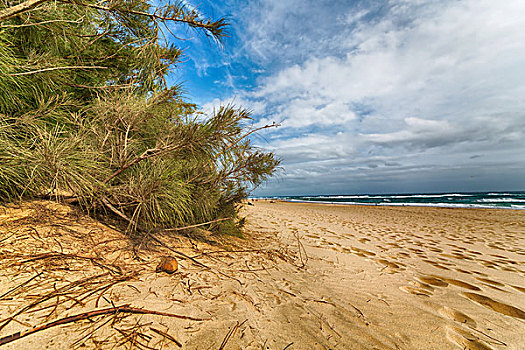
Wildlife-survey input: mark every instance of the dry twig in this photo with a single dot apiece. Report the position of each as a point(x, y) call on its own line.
point(89, 314)
point(230, 333)
point(166, 335)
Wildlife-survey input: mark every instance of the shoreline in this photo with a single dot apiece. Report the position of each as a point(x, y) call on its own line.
point(408, 205)
point(473, 200)
point(430, 205)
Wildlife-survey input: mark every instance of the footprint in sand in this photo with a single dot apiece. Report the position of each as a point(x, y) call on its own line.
point(497, 306)
point(460, 283)
point(360, 252)
point(435, 264)
point(434, 281)
point(415, 291)
point(457, 316)
point(494, 287)
point(403, 254)
point(463, 271)
point(494, 283)
point(464, 339)
point(480, 273)
point(521, 289)
point(424, 286)
point(392, 265)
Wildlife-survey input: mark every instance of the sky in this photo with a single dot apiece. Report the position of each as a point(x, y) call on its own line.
point(398, 96)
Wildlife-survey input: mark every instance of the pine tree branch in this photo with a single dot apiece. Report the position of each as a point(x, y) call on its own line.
point(149, 153)
point(273, 125)
point(267, 126)
point(55, 68)
point(80, 20)
point(213, 27)
point(18, 9)
point(122, 86)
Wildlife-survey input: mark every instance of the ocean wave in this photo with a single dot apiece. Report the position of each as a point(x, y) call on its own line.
point(431, 195)
point(341, 197)
point(382, 196)
point(500, 200)
point(419, 204)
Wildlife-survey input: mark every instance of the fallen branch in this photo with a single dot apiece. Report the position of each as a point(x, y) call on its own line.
point(196, 225)
point(57, 255)
point(110, 206)
point(58, 292)
point(301, 250)
point(132, 222)
point(230, 333)
point(86, 315)
point(166, 335)
point(234, 251)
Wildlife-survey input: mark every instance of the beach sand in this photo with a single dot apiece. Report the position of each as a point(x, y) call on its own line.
point(306, 276)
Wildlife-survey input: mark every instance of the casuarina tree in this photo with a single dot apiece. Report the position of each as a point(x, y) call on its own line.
point(86, 115)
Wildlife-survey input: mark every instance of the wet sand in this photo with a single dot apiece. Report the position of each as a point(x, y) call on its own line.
point(305, 276)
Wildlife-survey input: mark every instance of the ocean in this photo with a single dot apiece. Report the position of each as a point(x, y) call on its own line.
point(499, 200)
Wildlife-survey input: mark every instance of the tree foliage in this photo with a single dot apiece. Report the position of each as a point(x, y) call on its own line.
point(86, 114)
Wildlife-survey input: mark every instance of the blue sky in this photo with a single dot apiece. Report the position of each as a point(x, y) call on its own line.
point(373, 96)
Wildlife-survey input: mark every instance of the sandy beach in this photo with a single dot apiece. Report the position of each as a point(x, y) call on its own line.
point(407, 277)
point(305, 276)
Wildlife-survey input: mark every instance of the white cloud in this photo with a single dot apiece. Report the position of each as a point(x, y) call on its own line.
point(413, 84)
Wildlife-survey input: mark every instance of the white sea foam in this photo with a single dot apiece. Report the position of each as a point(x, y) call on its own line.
point(500, 200)
point(437, 205)
point(389, 197)
point(431, 195)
